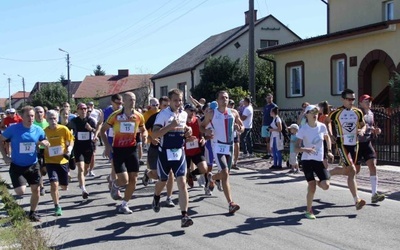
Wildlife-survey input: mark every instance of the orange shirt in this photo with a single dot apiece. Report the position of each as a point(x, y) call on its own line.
point(125, 128)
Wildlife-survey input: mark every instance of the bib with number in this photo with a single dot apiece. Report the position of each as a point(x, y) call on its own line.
point(83, 136)
point(110, 132)
point(27, 147)
point(55, 151)
point(349, 139)
point(192, 144)
point(174, 154)
point(223, 149)
point(127, 127)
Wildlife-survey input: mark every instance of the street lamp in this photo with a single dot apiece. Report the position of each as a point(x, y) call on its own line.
point(69, 83)
point(9, 90)
point(23, 86)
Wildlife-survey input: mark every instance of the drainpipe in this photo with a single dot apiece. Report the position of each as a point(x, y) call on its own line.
point(154, 88)
point(274, 70)
point(327, 16)
point(192, 80)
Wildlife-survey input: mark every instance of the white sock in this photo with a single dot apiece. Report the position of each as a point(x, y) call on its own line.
point(83, 188)
point(374, 184)
point(356, 198)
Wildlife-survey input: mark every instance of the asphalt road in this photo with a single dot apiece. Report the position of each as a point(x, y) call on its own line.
point(271, 217)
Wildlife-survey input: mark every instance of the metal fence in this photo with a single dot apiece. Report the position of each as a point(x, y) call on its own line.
point(387, 145)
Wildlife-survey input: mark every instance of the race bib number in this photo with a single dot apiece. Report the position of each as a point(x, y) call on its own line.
point(83, 136)
point(174, 154)
point(27, 147)
point(110, 132)
point(127, 127)
point(349, 139)
point(55, 151)
point(192, 144)
point(223, 149)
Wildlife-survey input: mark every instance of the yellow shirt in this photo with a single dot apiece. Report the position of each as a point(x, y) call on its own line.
point(58, 139)
point(148, 114)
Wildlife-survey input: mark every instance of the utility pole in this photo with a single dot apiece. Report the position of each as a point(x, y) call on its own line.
point(9, 90)
point(252, 78)
point(68, 79)
point(23, 86)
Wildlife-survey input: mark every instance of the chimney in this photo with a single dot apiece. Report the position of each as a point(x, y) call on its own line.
point(123, 72)
point(247, 18)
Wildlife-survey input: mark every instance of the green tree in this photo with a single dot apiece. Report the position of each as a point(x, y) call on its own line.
point(50, 95)
point(98, 71)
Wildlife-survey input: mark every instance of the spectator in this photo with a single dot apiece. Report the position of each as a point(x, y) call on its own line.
point(246, 137)
point(277, 138)
point(301, 119)
point(267, 120)
point(294, 164)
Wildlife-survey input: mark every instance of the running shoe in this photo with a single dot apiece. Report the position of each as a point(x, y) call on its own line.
point(233, 207)
point(360, 203)
point(190, 181)
point(42, 191)
point(145, 178)
point(85, 194)
point(210, 184)
point(169, 202)
point(266, 157)
point(156, 206)
point(377, 197)
point(201, 181)
point(235, 166)
point(310, 215)
point(91, 173)
point(296, 171)
point(186, 221)
point(207, 191)
point(219, 185)
point(141, 162)
point(34, 217)
point(58, 211)
point(124, 209)
point(291, 171)
point(115, 193)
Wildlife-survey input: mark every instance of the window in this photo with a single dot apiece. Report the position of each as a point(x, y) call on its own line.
point(268, 43)
point(182, 87)
point(295, 79)
point(338, 74)
point(163, 91)
point(389, 10)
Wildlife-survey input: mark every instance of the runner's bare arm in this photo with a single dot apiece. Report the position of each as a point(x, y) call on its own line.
point(238, 122)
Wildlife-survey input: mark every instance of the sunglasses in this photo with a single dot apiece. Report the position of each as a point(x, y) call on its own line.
point(314, 111)
point(154, 105)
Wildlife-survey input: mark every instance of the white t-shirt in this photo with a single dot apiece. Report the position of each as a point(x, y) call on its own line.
point(275, 135)
point(248, 112)
point(313, 138)
point(174, 138)
point(95, 114)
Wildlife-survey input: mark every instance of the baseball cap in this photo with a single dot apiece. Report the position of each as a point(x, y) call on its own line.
point(310, 107)
point(12, 110)
point(190, 106)
point(231, 102)
point(90, 103)
point(294, 125)
point(365, 97)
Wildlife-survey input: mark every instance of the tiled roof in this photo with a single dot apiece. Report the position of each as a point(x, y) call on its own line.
point(100, 86)
point(207, 48)
point(20, 95)
point(3, 102)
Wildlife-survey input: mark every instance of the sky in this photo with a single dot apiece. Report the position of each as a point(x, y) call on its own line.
point(143, 36)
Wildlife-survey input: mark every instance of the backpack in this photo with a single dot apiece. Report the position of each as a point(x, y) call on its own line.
point(284, 132)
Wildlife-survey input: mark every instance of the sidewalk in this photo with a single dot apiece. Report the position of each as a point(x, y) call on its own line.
point(388, 176)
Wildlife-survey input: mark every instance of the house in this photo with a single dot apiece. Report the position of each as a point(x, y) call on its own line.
point(184, 73)
point(3, 104)
point(73, 87)
point(359, 52)
point(101, 88)
point(18, 99)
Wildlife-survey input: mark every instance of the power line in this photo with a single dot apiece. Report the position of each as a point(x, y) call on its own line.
point(31, 60)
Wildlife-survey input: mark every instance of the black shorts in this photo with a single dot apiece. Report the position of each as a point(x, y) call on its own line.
point(125, 160)
point(196, 159)
point(152, 156)
point(311, 166)
point(365, 152)
point(21, 175)
point(58, 173)
point(139, 138)
point(348, 154)
point(83, 154)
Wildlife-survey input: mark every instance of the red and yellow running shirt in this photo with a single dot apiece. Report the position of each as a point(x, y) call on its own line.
point(125, 128)
point(58, 146)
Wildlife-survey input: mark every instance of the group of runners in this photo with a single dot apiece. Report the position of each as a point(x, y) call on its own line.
point(182, 145)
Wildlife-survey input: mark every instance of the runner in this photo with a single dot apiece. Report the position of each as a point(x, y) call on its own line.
point(152, 151)
point(41, 122)
point(24, 139)
point(85, 134)
point(126, 123)
point(116, 102)
point(236, 141)
point(347, 123)
point(57, 156)
point(310, 142)
point(366, 150)
point(170, 126)
point(224, 121)
point(98, 116)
